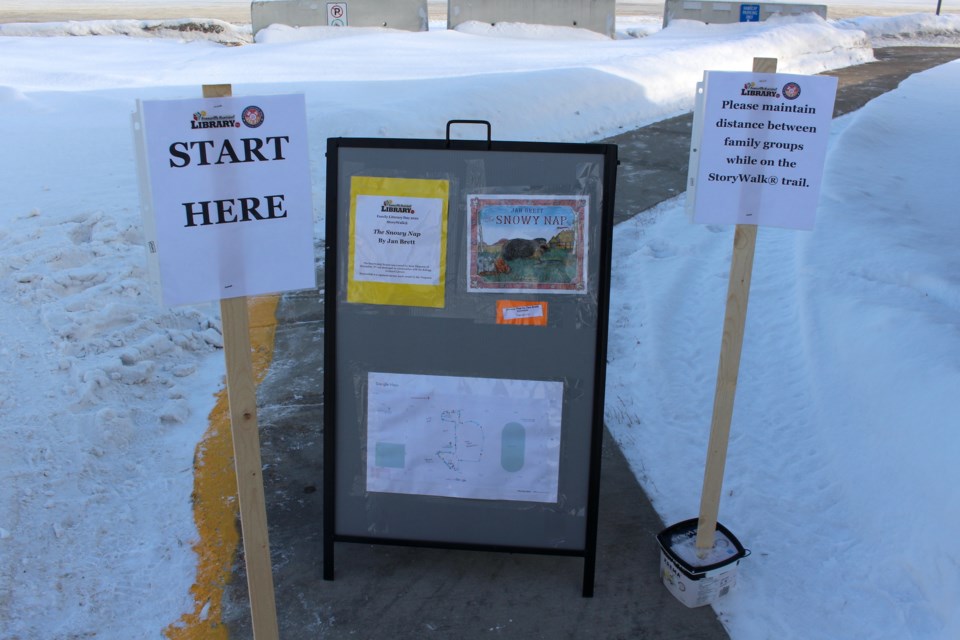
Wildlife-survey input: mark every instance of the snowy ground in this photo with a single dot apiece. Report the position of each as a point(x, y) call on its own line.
point(841, 472)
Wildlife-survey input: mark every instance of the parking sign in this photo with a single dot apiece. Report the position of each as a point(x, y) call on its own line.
point(336, 14)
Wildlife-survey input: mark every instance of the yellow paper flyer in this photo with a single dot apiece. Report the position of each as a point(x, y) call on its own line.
point(398, 240)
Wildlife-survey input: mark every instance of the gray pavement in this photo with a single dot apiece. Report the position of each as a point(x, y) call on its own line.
point(403, 592)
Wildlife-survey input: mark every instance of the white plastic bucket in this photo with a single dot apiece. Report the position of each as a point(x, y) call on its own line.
point(692, 582)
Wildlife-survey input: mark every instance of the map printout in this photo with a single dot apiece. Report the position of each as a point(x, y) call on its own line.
point(482, 438)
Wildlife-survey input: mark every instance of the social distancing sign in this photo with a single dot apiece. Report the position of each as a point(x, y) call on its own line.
point(762, 145)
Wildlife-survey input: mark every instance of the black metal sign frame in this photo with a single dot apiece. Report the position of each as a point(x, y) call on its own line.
point(464, 332)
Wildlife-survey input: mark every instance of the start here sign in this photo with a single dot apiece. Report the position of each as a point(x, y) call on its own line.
point(758, 149)
point(230, 210)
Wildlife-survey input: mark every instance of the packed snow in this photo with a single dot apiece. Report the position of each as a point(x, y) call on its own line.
point(841, 474)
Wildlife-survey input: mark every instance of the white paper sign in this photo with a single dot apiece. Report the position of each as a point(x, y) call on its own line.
point(230, 196)
point(401, 247)
point(762, 149)
point(480, 438)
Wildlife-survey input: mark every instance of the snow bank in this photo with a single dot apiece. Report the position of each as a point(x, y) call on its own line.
point(909, 30)
point(186, 30)
point(104, 396)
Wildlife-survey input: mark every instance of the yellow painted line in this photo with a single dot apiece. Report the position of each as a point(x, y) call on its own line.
point(215, 506)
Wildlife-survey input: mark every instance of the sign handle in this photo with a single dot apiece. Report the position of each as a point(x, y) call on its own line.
point(242, 396)
point(735, 317)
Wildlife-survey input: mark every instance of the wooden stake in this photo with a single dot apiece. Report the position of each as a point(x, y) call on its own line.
point(735, 317)
point(242, 395)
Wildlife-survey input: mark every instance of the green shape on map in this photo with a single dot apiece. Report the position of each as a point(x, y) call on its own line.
point(513, 443)
point(389, 454)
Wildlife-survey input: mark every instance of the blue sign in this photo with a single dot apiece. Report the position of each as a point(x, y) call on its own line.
point(749, 13)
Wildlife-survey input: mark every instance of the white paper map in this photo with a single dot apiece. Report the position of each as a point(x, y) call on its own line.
point(481, 438)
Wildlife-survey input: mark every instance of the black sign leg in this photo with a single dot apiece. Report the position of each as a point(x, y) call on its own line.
point(329, 526)
point(327, 560)
point(589, 570)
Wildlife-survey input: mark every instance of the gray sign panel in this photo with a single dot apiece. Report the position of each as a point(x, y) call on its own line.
point(467, 291)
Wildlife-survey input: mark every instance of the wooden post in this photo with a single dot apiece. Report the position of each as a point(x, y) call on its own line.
point(242, 395)
point(735, 317)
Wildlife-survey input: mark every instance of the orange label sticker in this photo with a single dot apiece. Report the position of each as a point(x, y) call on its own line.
point(517, 312)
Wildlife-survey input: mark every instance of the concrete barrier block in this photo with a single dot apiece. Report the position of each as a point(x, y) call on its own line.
point(595, 15)
point(712, 11)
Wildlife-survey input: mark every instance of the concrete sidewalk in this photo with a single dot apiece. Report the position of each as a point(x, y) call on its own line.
point(401, 592)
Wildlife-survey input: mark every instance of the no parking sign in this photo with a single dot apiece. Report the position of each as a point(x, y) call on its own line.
point(336, 14)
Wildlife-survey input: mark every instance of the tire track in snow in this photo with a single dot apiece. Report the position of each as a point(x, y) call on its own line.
point(667, 350)
point(667, 305)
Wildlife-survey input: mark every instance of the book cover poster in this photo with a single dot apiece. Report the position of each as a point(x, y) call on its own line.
point(527, 243)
